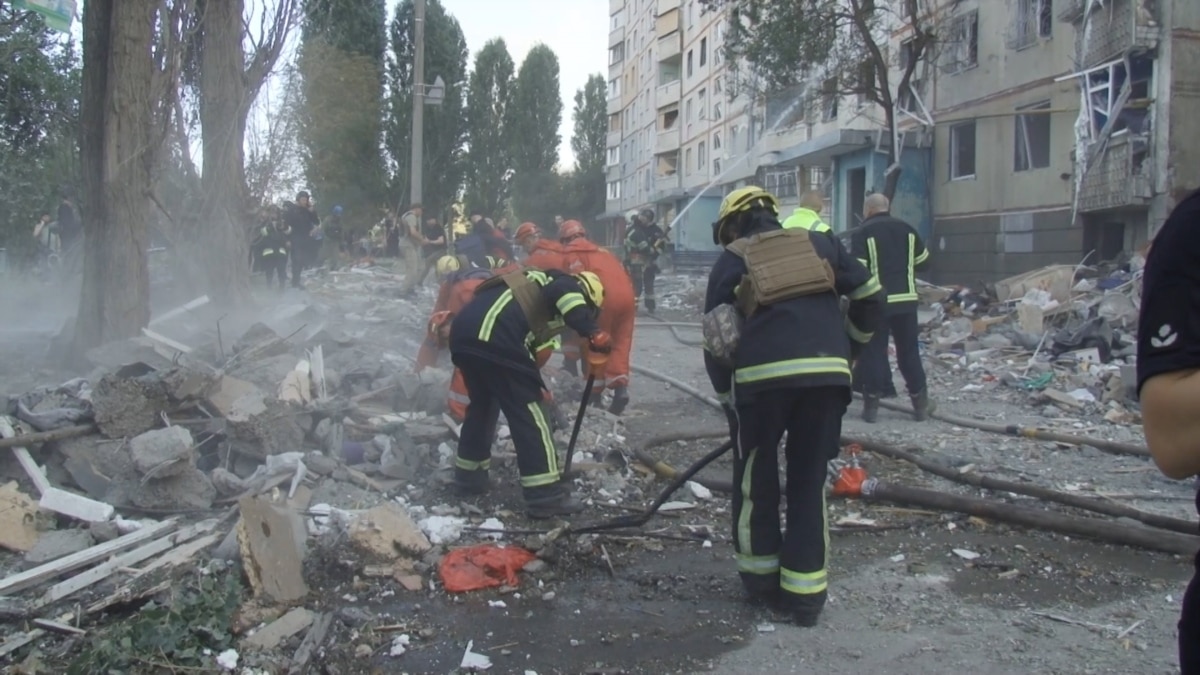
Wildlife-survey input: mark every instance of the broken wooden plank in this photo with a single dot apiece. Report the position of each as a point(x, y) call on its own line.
point(27, 440)
point(32, 577)
point(59, 627)
point(76, 506)
point(164, 340)
point(167, 316)
point(274, 633)
point(105, 570)
point(181, 554)
point(311, 643)
point(123, 595)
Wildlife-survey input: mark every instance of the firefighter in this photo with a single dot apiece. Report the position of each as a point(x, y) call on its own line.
point(459, 279)
point(788, 373)
point(542, 253)
point(616, 317)
point(892, 250)
point(272, 247)
point(495, 340)
point(808, 214)
point(644, 242)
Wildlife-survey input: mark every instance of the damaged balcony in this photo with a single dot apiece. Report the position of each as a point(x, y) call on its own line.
point(1118, 28)
point(1119, 177)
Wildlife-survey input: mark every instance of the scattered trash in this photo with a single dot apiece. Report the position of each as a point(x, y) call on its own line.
point(484, 566)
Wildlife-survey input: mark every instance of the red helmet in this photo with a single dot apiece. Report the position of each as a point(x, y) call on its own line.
point(527, 230)
point(571, 229)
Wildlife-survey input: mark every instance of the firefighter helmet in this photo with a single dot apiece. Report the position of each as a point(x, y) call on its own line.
point(447, 265)
point(593, 290)
point(571, 229)
point(525, 231)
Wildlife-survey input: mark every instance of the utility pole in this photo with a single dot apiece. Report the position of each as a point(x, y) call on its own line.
point(418, 114)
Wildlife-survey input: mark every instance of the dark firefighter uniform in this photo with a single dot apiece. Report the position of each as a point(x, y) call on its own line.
point(789, 373)
point(271, 245)
point(893, 251)
point(494, 341)
point(643, 244)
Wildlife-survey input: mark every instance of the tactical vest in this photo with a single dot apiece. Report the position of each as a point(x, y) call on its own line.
point(780, 265)
point(528, 296)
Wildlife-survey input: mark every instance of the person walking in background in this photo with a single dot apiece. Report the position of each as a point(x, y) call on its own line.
point(644, 242)
point(892, 250)
point(271, 251)
point(300, 220)
point(414, 264)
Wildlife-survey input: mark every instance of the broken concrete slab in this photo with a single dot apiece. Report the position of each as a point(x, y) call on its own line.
point(190, 489)
point(237, 399)
point(265, 373)
point(58, 544)
point(227, 483)
point(88, 476)
point(281, 629)
point(261, 336)
point(18, 519)
point(120, 353)
point(162, 453)
point(387, 531)
point(269, 537)
point(270, 432)
point(127, 407)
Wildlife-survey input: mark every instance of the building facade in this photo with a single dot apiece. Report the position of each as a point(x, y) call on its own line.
point(1035, 131)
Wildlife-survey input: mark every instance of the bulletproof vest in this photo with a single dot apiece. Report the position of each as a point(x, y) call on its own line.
point(780, 265)
point(528, 296)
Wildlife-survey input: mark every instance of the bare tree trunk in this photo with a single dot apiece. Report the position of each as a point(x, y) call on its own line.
point(223, 247)
point(117, 144)
point(892, 177)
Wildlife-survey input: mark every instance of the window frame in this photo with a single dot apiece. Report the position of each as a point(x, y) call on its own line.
point(954, 150)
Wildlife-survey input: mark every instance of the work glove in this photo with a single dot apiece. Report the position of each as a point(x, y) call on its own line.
point(600, 342)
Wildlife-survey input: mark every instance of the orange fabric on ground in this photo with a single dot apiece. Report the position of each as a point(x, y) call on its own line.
point(483, 566)
point(546, 255)
point(617, 314)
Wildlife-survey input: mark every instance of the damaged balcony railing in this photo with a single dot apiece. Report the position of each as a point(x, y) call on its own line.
point(1119, 177)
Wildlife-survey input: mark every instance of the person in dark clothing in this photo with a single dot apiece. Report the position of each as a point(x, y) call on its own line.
point(892, 250)
point(481, 243)
point(788, 374)
point(495, 341)
point(301, 220)
point(69, 227)
point(644, 242)
point(1168, 376)
point(271, 251)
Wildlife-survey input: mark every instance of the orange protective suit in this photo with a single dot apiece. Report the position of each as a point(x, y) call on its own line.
point(617, 314)
point(453, 295)
point(546, 255)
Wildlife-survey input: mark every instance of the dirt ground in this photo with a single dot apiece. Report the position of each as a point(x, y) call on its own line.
point(900, 601)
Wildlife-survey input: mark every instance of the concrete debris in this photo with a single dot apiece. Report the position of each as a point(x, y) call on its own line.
point(190, 489)
point(387, 531)
point(473, 661)
point(443, 529)
point(57, 544)
point(19, 519)
point(281, 629)
point(163, 453)
point(271, 540)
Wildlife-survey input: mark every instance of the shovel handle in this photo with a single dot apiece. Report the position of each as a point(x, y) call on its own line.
point(583, 403)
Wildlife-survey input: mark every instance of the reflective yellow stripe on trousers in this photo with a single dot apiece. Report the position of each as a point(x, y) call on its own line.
point(808, 583)
point(746, 560)
point(551, 476)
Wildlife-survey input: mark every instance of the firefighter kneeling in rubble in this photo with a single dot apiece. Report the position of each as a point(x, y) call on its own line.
point(778, 353)
point(495, 341)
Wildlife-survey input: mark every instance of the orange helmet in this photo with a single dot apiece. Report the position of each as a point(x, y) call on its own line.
point(526, 230)
point(571, 229)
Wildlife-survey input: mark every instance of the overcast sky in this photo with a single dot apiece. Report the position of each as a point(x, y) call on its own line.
point(577, 31)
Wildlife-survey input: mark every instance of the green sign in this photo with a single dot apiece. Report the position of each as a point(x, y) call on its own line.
point(58, 14)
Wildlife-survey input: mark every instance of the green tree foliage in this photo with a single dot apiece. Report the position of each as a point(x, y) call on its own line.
point(489, 150)
point(781, 42)
point(535, 115)
point(588, 143)
point(341, 62)
point(39, 118)
point(445, 124)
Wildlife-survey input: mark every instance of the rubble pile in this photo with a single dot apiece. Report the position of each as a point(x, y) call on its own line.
point(1062, 338)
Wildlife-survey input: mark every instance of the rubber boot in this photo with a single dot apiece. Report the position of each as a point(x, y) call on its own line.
point(619, 401)
point(870, 411)
point(550, 501)
point(471, 483)
point(922, 406)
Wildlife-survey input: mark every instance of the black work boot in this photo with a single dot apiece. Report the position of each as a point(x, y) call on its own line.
point(651, 305)
point(870, 411)
point(922, 406)
point(802, 613)
point(619, 401)
point(471, 483)
point(550, 501)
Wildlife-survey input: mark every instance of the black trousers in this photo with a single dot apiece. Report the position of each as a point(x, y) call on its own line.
point(302, 254)
point(768, 559)
point(643, 275)
point(518, 394)
point(275, 265)
point(873, 374)
point(1189, 629)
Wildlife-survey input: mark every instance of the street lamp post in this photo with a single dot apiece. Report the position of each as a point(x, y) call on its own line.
point(418, 115)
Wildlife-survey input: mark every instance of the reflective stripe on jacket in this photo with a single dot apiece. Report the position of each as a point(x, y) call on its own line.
point(806, 219)
point(893, 251)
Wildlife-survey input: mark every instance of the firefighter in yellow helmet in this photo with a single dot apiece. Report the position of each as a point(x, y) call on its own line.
point(495, 341)
point(780, 363)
